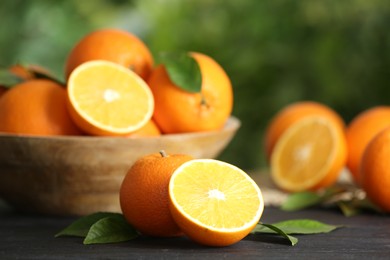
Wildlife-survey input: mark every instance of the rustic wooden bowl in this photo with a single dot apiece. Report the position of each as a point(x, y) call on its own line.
point(82, 175)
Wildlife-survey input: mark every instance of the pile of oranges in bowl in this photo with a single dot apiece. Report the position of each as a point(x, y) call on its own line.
point(113, 88)
point(71, 143)
point(308, 145)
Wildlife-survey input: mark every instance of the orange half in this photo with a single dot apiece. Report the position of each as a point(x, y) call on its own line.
point(309, 155)
point(107, 99)
point(213, 202)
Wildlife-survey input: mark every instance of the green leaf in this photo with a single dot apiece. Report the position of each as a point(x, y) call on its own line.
point(355, 206)
point(8, 79)
point(301, 200)
point(183, 70)
point(269, 228)
point(348, 209)
point(81, 226)
point(305, 199)
point(112, 229)
point(305, 226)
point(296, 227)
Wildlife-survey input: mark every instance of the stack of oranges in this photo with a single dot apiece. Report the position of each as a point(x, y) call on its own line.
point(308, 145)
point(114, 88)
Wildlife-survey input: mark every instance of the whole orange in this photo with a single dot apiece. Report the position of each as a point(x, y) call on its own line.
point(291, 114)
point(36, 107)
point(114, 45)
point(375, 170)
point(144, 197)
point(178, 111)
point(360, 132)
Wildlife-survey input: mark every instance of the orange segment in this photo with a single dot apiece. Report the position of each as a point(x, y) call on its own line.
point(213, 202)
point(309, 155)
point(108, 99)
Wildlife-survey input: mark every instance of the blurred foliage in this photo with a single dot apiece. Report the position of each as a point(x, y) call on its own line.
point(276, 52)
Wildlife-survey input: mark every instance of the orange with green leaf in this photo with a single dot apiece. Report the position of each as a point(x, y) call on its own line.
point(202, 103)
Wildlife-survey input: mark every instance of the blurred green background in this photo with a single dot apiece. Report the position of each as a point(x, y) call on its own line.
point(275, 51)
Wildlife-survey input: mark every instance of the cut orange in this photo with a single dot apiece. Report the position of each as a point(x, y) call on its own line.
point(309, 155)
point(293, 113)
point(107, 99)
point(213, 202)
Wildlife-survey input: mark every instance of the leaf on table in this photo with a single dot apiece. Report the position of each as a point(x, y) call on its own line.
point(301, 200)
point(183, 70)
point(112, 229)
point(81, 226)
point(296, 227)
point(305, 199)
point(269, 228)
point(305, 226)
point(348, 209)
point(354, 207)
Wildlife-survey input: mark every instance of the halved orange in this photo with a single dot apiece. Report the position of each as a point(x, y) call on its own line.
point(309, 155)
point(213, 202)
point(107, 99)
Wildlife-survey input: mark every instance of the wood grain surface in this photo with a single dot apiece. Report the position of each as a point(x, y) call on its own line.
point(364, 236)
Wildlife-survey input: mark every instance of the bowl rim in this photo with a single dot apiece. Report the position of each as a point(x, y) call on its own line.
point(232, 124)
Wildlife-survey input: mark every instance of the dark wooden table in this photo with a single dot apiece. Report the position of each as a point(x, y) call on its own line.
point(365, 236)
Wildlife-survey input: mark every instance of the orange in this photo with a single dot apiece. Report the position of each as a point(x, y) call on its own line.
point(309, 155)
point(213, 202)
point(292, 113)
point(36, 107)
point(178, 111)
point(148, 130)
point(359, 133)
point(107, 99)
point(114, 45)
point(375, 170)
point(144, 194)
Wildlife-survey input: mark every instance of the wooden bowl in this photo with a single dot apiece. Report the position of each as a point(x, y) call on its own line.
point(80, 175)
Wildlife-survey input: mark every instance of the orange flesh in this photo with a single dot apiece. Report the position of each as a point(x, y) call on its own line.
point(304, 155)
point(218, 198)
point(108, 97)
